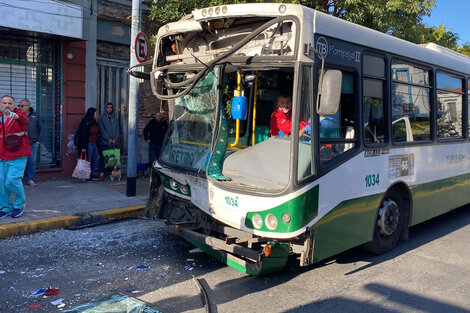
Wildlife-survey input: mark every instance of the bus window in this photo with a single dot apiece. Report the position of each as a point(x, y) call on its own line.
point(337, 131)
point(411, 106)
point(373, 101)
point(449, 106)
point(305, 160)
point(468, 100)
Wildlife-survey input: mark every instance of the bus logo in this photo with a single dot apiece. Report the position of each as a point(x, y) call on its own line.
point(322, 46)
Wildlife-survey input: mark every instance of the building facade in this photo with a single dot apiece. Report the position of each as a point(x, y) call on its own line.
point(65, 57)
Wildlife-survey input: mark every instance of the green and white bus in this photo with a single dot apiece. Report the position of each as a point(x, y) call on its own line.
point(386, 146)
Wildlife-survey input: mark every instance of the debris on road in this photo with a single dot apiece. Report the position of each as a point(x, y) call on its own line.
point(51, 292)
point(142, 267)
point(39, 292)
point(35, 306)
point(59, 303)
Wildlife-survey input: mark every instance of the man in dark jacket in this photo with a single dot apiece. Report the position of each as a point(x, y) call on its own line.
point(34, 134)
point(154, 133)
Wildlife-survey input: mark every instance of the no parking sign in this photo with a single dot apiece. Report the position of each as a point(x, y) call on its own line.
point(141, 47)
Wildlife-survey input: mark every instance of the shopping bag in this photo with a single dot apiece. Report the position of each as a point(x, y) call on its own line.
point(83, 168)
point(112, 157)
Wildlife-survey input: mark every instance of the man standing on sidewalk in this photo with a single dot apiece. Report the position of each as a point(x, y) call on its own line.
point(14, 152)
point(154, 133)
point(34, 134)
point(109, 133)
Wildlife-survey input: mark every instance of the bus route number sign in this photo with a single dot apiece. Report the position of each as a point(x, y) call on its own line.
point(141, 47)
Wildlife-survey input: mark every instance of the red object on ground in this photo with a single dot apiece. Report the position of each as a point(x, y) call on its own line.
point(51, 292)
point(35, 306)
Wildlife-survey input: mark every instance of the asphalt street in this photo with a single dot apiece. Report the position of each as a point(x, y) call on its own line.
point(137, 259)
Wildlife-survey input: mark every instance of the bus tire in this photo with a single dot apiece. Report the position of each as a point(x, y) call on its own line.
point(389, 223)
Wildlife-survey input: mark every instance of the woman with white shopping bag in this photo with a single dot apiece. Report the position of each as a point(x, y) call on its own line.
point(88, 138)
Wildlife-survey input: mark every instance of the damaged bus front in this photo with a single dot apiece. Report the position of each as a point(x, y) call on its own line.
point(230, 187)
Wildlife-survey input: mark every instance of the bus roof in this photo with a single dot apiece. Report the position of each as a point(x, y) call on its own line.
point(325, 24)
point(328, 25)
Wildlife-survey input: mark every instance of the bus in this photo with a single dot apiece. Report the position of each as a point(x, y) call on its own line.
point(377, 143)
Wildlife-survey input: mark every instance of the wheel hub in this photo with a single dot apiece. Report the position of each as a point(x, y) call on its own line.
point(389, 217)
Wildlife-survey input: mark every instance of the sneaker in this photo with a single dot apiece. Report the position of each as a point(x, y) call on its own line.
point(31, 183)
point(17, 212)
point(101, 176)
point(4, 214)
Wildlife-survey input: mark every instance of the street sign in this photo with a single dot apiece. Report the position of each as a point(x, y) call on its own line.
point(141, 47)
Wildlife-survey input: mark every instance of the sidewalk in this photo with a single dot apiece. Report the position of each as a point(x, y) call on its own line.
point(70, 202)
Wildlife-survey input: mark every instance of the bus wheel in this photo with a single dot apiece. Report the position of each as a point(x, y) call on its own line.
point(388, 224)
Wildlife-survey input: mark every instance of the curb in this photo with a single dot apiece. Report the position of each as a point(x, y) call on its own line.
point(30, 227)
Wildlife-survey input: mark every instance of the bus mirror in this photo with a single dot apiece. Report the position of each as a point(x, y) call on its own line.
point(330, 92)
point(239, 108)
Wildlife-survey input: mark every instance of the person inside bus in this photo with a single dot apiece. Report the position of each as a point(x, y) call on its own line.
point(281, 118)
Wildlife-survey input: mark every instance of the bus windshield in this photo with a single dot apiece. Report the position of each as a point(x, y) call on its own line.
point(192, 116)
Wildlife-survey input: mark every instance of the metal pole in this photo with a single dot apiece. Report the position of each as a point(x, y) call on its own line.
point(133, 104)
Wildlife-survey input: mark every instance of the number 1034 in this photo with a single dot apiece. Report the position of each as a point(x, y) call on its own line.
point(372, 180)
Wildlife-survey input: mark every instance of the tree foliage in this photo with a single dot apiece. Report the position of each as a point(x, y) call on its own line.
point(399, 18)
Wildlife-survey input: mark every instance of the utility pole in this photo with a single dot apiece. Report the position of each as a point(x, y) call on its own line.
point(133, 104)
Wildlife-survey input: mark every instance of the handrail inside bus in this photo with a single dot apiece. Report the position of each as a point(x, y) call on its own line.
point(237, 121)
point(191, 82)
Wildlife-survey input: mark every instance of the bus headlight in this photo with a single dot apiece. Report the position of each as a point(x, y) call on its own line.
point(257, 220)
point(271, 221)
point(184, 189)
point(285, 218)
point(174, 184)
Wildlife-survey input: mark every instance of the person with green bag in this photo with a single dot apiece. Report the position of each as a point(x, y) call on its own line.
point(108, 125)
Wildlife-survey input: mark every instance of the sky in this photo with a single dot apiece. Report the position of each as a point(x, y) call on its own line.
point(454, 14)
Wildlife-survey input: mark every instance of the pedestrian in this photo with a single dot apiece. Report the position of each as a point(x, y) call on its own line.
point(154, 133)
point(34, 134)
point(108, 125)
point(14, 152)
point(88, 138)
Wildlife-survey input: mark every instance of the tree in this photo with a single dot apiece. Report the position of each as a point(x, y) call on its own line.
point(465, 49)
point(399, 18)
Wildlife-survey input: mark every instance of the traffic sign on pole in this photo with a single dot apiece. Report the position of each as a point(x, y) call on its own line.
point(141, 47)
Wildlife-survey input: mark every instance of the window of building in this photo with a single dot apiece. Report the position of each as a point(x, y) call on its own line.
point(449, 106)
point(373, 101)
point(411, 104)
point(28, 69)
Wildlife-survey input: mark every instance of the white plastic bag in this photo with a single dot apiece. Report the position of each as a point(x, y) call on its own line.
point(83, 168)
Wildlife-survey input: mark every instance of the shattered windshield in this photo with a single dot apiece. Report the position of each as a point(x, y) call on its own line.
point(192, 121)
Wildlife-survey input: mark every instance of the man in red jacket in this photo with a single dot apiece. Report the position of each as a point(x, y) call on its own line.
point(12, 158)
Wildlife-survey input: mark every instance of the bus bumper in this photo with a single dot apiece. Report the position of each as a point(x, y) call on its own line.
point(269, 259)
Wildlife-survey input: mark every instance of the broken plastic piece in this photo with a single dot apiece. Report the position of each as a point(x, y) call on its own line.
point(35, 306)
point(59, 303)
point(142, 267)
point(51, 292)
point(39, 292)
point(189, 268)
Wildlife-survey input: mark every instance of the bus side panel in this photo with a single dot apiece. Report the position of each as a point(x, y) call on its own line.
point(438, 197)
point(348, 225)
